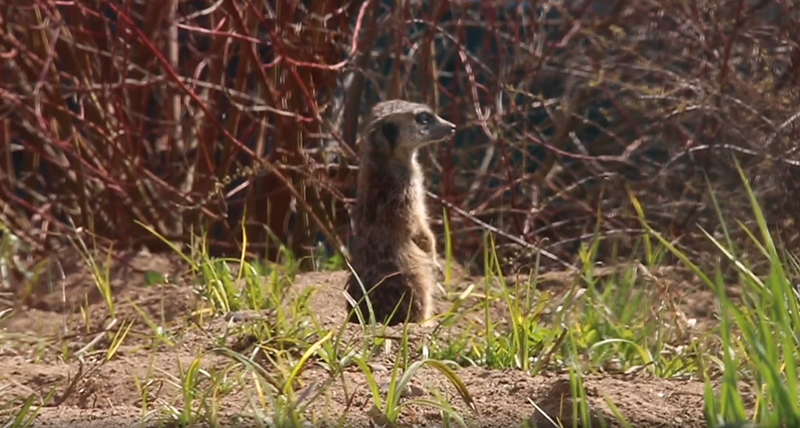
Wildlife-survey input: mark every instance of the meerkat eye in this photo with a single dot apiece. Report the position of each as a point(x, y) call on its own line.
point(424, 118)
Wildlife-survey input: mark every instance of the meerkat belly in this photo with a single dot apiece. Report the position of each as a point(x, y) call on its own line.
point(400, 251)
point(397, 277)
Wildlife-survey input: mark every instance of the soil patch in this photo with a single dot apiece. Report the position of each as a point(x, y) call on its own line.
point(96, 392)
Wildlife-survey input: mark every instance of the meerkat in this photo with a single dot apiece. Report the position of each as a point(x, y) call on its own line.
point(393, 249)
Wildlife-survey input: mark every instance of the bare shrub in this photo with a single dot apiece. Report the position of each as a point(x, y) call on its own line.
point(203, 115)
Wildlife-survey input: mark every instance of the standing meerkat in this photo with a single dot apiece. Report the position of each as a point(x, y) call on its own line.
point(394, 249)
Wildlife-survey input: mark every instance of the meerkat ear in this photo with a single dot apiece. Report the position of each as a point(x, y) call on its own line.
point(390, 131)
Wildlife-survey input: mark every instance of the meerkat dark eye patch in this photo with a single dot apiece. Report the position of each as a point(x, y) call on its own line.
point(390, 131)
point(424, 118)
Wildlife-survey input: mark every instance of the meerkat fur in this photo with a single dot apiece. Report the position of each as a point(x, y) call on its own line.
point(394, 250)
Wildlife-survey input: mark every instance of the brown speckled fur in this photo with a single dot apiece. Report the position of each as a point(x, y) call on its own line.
point(394, 249)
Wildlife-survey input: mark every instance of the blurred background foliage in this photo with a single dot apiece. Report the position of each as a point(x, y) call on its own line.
point(210, 117)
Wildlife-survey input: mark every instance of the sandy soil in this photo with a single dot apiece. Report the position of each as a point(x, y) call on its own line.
point(100, 393)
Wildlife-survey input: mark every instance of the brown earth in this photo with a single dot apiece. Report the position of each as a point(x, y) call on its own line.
point(99, 393)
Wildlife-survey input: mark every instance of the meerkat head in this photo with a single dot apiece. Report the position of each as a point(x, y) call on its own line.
point(398, 128)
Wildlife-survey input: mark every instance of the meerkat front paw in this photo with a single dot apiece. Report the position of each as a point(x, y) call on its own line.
point(438, 269)
point(438, 273)
point(425, 240)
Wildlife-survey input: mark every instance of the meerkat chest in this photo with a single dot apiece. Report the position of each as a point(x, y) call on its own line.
point(417, 196)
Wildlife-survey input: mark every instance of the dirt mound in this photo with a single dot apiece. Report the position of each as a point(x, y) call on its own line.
point(58, 343)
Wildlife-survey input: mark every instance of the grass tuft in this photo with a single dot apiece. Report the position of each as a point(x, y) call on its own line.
point(285, 361)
